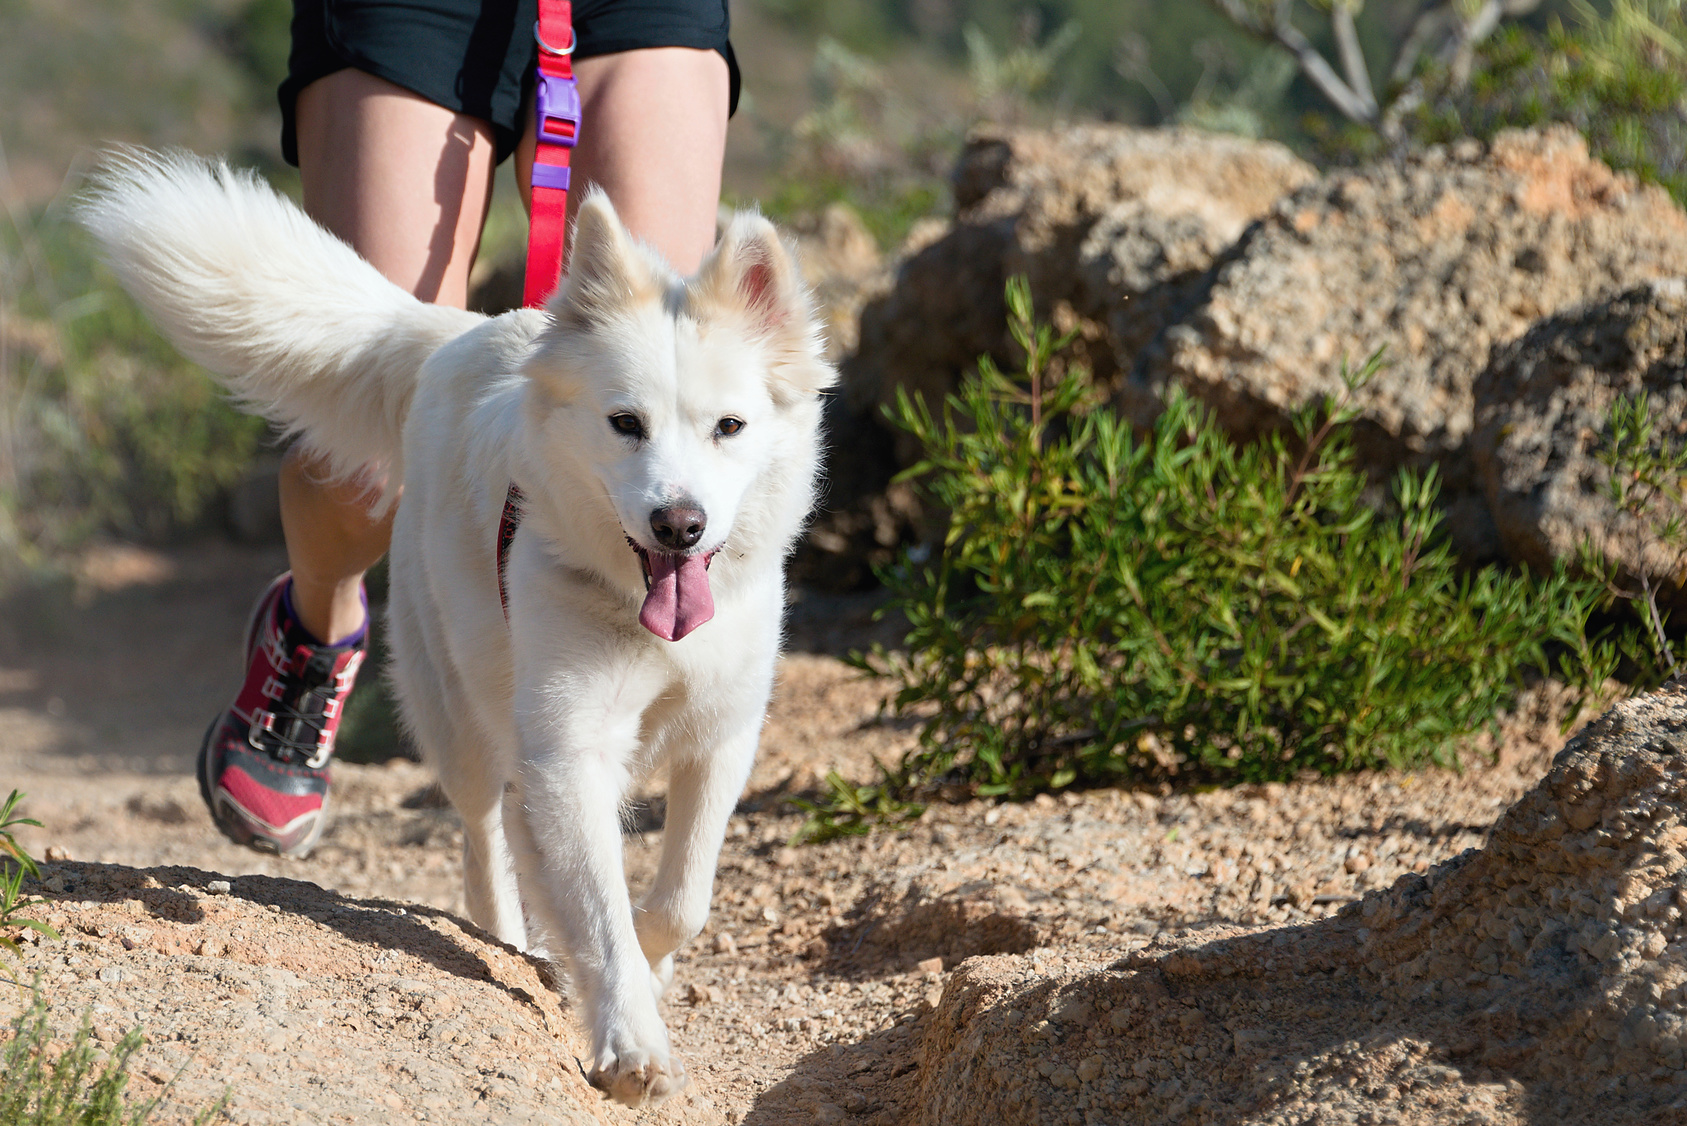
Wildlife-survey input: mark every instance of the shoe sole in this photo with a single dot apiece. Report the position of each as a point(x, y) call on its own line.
point(254, 841)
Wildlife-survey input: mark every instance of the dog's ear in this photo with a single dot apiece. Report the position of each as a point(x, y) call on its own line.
point(751, 280)
point(607, 272)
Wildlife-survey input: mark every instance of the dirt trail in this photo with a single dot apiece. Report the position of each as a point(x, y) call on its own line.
point(367, 998)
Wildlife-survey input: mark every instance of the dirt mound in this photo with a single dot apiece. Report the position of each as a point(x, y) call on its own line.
point(1543, 978)
point(1541, 410)
point(280, 991)
point(1437, 258)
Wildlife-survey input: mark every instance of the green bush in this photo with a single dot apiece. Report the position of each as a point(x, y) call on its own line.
point(15, 866)
point(1108, 606)
point(103, 426)
point(1647, 488)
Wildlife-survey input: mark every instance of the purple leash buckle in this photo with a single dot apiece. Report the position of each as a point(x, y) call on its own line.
point(557, 100)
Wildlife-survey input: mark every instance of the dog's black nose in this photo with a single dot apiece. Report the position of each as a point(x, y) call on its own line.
point(678, 527)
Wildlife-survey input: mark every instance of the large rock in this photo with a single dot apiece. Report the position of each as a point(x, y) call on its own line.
point(1112, 226)
point(1541, 979)
point(1542, 409)
point(1437, 259)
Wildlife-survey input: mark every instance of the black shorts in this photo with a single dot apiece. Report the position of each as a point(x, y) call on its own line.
point(477, 56)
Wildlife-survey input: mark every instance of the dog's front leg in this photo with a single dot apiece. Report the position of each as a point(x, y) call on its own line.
point(703, 789)
point(564, 818)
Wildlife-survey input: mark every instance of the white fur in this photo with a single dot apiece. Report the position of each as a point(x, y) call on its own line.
point(538, 728)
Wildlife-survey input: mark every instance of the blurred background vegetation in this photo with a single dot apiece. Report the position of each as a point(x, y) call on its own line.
point(104, 432)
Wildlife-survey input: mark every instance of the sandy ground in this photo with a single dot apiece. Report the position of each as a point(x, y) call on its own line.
point(799, 1003)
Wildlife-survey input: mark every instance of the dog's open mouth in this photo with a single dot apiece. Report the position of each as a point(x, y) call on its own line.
point(676, 591)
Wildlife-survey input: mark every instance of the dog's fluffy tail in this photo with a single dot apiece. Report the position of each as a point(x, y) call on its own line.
point(298, 327)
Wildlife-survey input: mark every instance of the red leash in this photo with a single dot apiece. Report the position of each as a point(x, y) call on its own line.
point(556, 113)
point(557, 120)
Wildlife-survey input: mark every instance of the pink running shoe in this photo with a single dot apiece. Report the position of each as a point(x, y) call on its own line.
point(263, 768)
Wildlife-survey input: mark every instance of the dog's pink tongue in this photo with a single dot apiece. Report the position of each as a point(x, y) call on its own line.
point(679, 599)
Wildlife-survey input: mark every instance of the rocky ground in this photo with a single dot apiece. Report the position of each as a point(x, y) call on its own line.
point(1154, 956)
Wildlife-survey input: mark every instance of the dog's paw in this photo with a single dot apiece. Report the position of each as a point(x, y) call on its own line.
point(638, 1078)
point(662, 976)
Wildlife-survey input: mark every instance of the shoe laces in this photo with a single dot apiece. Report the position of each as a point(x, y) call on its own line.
point(306, 697)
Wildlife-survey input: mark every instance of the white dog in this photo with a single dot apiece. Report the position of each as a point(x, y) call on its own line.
point(664, 432)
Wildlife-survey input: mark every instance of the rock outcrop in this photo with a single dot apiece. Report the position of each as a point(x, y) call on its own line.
point(1437, 259)
point(1111, 225)
point(1542, 409)
point(1229, 268)
point(1543, 978)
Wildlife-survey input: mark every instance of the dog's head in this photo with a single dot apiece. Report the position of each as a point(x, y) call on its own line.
point(691, 406)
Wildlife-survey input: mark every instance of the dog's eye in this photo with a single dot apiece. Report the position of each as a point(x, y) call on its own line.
point(728, 426)
point(628, 424)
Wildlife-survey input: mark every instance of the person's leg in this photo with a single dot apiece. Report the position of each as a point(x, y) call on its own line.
point(406, 183)
point(652, 135)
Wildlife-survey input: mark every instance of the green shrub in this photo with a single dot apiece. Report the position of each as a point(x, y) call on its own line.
point(15, 865)
point(1106, 606)
point(103, 426)
point(1647, 488)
